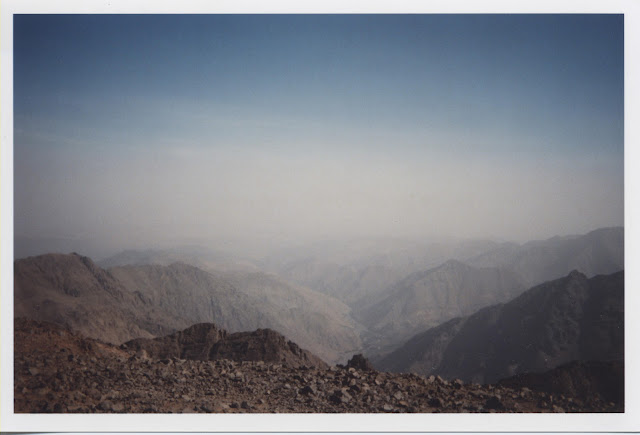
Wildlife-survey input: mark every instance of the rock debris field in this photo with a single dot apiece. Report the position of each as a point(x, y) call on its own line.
point(59, 371)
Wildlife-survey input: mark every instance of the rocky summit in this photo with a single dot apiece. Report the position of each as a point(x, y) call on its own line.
point(57, 370)
point(205, 341)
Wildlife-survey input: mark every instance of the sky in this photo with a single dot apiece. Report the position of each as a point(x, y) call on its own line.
point(130, 130)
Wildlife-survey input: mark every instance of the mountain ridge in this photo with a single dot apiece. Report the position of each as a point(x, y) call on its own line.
point(597, 252)
point(122, 303)
point(572, 318)
point(427, 298)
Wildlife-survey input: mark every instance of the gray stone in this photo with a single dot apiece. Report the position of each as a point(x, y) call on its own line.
point(435, 402)
point(494, 403)
point(308, 389)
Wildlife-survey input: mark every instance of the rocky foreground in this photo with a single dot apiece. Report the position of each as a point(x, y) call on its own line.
point(59, 371)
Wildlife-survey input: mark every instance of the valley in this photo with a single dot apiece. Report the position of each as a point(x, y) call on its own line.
point(472, 317)
point(246, 210)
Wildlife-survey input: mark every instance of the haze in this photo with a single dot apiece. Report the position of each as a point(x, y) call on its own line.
point(136, 130)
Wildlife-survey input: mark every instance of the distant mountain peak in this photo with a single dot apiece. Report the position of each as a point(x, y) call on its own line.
point(454, 264)
point(576, 274)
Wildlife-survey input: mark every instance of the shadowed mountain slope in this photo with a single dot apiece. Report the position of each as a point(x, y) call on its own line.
point(572, 318)
point(425, 299)
point(596, 380)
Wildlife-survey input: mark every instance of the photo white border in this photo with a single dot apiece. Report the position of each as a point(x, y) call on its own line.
point(625, 422)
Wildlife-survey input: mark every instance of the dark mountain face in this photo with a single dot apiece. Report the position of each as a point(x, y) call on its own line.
point(595, 380)
point(428, 298)
point(206, 342)
point(573, 318)
point(501, 272)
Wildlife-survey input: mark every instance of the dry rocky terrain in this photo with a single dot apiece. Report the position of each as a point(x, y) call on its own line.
point(57, 370)
point(123, 303)
point(205, 341)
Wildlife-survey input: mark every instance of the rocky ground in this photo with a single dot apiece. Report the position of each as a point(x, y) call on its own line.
point(59, 371)
point(205, 341)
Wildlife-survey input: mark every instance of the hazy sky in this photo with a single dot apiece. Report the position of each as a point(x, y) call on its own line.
point(135, 129)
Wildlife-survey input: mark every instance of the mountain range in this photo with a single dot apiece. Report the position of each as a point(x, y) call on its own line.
point(428, 298)
point(572, 318)
point(123, 303)
point(598, 252)
point(454, 309)
point(358, 271)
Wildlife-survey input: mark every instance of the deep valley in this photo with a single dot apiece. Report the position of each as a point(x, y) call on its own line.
point(194, 331)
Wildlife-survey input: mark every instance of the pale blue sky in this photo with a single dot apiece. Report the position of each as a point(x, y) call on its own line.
point(133, 128)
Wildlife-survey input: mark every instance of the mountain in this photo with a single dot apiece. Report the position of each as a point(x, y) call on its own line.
point(599, 252)
point(123, 303)
point(427, 298)
point(71, 290)
point(187, 292)
point(206, 342)
point(29, 246)
point(241, 301)
point(318, 322)
point(495, 273)
point(355, 271)
point(572, 318)
point(594, 380)
point(198, 256)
